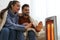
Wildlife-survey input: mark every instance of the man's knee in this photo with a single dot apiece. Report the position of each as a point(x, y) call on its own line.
point(31, 32)
point(20, 33)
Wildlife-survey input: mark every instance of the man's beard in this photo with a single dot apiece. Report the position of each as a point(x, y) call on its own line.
point(26, 15)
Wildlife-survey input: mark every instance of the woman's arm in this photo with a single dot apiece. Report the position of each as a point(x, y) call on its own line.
point(14, 26)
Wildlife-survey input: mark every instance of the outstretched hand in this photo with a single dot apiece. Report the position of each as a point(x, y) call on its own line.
point(39, 27)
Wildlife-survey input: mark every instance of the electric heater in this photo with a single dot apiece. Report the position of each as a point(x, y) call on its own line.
point(51, 28)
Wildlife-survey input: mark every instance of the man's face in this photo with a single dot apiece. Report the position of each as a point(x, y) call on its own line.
point(25, 10)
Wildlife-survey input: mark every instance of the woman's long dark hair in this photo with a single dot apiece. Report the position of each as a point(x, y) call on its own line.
point(8, 7)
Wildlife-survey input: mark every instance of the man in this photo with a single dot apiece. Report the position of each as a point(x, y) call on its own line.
point(24, 18)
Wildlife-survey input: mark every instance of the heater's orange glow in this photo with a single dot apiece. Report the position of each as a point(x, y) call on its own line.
point(50, 30)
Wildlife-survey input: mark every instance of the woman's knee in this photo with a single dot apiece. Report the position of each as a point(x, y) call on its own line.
point(5, 30)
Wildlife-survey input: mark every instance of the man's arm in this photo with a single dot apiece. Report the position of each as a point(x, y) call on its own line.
point(34, 22)
point(37, 25)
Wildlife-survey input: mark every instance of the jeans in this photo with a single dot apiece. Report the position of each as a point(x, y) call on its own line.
point(31, 35)
point(4, 34)
point(14, 34)
point(19, 35)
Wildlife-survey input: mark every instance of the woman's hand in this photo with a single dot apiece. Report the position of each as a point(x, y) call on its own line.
point(25, 24)
point(28, 26)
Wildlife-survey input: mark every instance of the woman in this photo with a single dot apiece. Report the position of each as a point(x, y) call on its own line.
point(12, 21)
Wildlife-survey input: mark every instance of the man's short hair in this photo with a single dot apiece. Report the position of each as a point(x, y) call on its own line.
point(25, 5)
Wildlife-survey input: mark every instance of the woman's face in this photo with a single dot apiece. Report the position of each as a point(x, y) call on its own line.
point(16, 7)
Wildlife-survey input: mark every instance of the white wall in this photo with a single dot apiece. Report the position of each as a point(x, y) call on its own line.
point(3, 4)
point(39, 10)
point(22, 2)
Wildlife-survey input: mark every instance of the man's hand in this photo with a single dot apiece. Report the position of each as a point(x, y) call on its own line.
point(39, 27)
